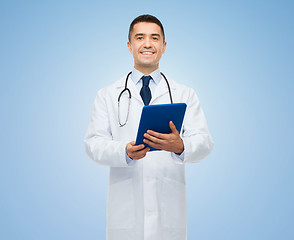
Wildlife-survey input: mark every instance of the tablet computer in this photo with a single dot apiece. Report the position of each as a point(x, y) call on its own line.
point(157, 118)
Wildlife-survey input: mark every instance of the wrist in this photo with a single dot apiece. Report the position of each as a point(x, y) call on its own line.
point(181, 148)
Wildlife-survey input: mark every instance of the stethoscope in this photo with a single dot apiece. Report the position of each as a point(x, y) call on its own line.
point(130, 96)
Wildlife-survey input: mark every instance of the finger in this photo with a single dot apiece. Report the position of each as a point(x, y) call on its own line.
point(152, 144)
point(157, 134)
point(140, 154)
point(136, 148)
point(138, 157)
point(173, 127)
point(153, 139)
point(130, 145)
point(143, 151)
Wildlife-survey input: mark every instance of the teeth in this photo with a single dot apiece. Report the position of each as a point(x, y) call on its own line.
point(149, 53)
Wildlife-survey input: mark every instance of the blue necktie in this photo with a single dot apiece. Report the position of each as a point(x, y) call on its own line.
point(145, 90)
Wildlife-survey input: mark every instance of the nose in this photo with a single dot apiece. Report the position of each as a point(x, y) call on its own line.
point(147, 42)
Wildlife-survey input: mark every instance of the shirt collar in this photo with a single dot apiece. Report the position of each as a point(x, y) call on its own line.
point(137, 75)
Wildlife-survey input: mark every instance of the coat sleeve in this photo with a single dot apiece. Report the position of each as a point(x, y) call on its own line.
point(99, 142)
point(196, 137)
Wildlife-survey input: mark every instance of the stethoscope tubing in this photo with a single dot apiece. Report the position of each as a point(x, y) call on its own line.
point(129, 92)
point(126, 89)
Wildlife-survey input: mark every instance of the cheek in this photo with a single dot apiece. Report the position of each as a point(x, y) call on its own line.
point(160, 48)
point(135, 50)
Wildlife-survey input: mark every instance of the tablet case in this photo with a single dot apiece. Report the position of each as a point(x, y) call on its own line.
point(157, 118)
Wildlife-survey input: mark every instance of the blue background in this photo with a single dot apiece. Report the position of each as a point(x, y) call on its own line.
point(237, 55)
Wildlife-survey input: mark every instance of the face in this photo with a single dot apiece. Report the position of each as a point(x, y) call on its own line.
point(147, 46)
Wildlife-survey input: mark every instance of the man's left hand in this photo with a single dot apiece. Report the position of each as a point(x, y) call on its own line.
point(171, 142)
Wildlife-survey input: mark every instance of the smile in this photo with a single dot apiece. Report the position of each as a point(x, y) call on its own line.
point(147, 53)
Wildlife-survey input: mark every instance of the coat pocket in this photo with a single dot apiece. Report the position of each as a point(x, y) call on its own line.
point(173, 204)
point(121, 212)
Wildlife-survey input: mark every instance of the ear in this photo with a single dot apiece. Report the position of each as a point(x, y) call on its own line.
point(130, 47)
point(163, 48)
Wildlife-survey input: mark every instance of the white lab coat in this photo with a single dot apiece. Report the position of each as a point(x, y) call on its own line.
point(147, 198)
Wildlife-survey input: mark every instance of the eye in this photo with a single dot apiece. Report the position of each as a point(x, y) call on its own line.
point(155, 38)
point(139, 38)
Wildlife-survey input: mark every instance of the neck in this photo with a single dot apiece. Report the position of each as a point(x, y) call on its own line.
point(146, 70)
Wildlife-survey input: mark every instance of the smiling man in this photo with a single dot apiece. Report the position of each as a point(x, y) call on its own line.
point(146, 197)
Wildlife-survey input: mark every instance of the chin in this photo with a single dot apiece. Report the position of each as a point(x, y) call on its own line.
point(148, 65)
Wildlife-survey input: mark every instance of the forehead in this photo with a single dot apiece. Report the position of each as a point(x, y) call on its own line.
point(146, 28)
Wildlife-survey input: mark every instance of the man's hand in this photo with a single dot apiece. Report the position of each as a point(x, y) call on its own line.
point(169, 142)
point(136, 152)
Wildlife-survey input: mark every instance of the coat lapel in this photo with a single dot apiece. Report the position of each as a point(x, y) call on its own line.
point(162, 89)
point(134, 92)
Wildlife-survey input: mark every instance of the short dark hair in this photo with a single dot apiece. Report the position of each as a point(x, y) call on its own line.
point(145, 18)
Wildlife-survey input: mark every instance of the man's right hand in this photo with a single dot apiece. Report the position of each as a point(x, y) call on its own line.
point(136, 152)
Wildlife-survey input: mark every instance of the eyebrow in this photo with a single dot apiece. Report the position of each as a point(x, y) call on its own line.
point(142, 34)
